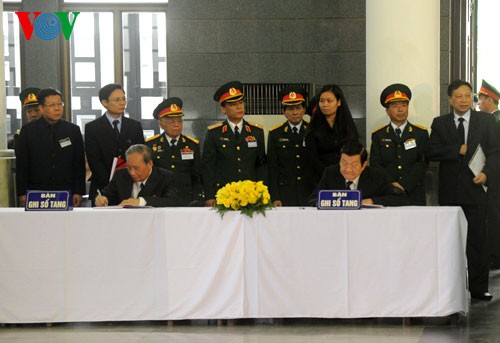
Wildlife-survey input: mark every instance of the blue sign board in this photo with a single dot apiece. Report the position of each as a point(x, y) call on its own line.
point(339, 200)
point(48, 201)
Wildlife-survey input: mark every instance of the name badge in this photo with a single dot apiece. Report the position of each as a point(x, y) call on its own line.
point(339, 199)
point(48, 201)
point(187, 155)
point(252, 144)
point(65, 142)
point(410, 144)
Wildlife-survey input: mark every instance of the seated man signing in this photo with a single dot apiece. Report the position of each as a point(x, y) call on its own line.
point(140, 184)
point(353, 173)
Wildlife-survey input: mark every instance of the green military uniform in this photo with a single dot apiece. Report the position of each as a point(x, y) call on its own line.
point(227, 159)
point(402, 157)
point(290, 179)
point(183, 160)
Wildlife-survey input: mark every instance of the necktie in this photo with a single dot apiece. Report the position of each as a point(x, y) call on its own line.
point(295, 130)
point(173, 142)
point(461, 131)
point(398, 132)
point(348, 184)
point(237, 132)
point(115, 128)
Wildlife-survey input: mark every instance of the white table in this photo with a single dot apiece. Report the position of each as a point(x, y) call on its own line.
point(187, 263)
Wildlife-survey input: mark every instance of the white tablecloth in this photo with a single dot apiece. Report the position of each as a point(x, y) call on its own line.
point(187, 263)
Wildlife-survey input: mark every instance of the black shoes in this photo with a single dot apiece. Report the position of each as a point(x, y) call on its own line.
point(482, 296)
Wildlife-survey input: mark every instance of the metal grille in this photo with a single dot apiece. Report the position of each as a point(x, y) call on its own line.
point(263, 98)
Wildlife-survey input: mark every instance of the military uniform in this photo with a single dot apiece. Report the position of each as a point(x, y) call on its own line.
point(227, 159)
point(289, 176)
point(403, 153)
point(403, 158)
point(177, 153)
point(183, 160)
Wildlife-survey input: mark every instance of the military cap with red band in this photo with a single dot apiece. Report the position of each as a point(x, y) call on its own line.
point(230, 92)
point(292, 95)
point(489, 90)
point(28, 96)
point(395, 92)
point(171, 107)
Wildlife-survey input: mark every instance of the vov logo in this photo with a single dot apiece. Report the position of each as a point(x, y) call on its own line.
point(47, 26)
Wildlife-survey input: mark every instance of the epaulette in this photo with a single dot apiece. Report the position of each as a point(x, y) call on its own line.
point(153, 137)
point(214, 126)
point(306, 122)
point(253, 124)
point(419, 126)
point(380, 128)
point(17, 132)
point(276, 127)
point(192, 139)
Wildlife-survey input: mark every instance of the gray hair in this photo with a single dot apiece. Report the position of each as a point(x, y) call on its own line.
point(140, 149)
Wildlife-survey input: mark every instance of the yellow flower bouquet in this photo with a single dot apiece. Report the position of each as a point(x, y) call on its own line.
point(247, 196)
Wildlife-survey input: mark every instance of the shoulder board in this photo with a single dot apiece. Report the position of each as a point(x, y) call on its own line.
point(419, 126)
point(153, 137)
point(255, 125)
point(192, 139)
point(306, 122)
point(276, 127)
point(18, 132)
point(214, 126)
point(380, 128)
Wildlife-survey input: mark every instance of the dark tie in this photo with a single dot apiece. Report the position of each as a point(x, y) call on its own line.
point(115, 128)
point(237, 132)
point(173, 142)
point(141, 186)
point(398, 132)
point(295, 130)
point(461, 131)
point(348, 184)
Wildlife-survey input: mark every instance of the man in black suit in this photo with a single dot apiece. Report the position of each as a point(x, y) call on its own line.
point(141, 183)
point(49, 152)
point(234, 149)
point(109, 136)
point(290, 176)
point(455, 137)
point(353, 172)
point(177, 152)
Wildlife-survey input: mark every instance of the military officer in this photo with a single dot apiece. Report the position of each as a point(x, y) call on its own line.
point(177, 152)
point(488, 98)
point(233, 149)
point(289, 180)
point(30, 110)
point(488, 102)
point(400, 146)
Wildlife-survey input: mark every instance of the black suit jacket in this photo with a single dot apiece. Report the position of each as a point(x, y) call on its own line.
point(159, 190)
point(102, 146)
point(373, 183)
point(455, 177)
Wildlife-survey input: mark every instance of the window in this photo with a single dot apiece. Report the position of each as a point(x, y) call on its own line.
point(12, 66)
point(121, 45)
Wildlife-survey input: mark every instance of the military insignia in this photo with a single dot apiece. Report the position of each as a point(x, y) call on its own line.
point(224, 129)
point(247, 128)
point(159, 148)
point(250, 139)
point(214, 126)
point(192, 139)
point(154, 147)
point(174, 107)
point(379, 128)
point(275, 127)
point(286, 128)
point(410, 143)
point(410, 129)
point(292, 95)
point(284, 140)
point(162, 140)
point(224, 139)
point(232, 91)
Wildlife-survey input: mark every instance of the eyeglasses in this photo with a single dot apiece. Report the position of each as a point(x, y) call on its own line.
point(118, 100)
point(57, 104)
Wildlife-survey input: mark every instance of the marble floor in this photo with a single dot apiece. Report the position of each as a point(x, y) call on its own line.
point(481, 325)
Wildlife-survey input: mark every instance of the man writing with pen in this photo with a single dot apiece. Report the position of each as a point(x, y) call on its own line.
point(140, 184)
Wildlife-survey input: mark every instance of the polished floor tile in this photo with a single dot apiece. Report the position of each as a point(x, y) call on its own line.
point(481, 325)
